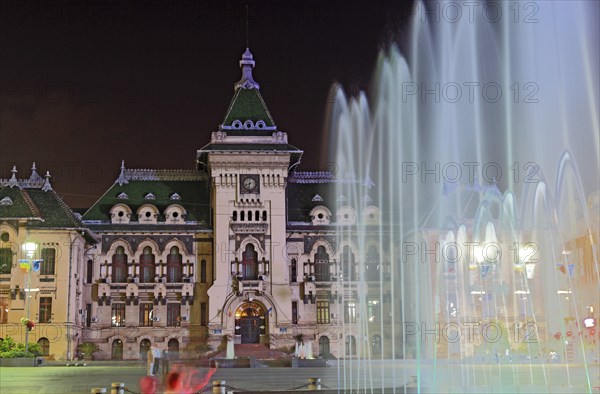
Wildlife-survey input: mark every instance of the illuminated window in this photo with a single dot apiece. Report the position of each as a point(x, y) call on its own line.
point(322, 312)
point(350, 312)
point(146, 314)
point(373, 310)
point(118, 315)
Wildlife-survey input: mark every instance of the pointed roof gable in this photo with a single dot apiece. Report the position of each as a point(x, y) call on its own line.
point(247, 103)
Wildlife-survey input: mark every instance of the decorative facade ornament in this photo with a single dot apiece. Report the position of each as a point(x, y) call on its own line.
point(35, 177)
point(13, 179)
point(150, 196)
point(317, 198)
point(123, 196)
point(121, 179)
point(46, 187)
point(175, 196)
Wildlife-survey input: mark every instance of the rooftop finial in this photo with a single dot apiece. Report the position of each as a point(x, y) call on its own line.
point(121, 180)
point(246, 64)
point(34, 175)
point(47, 187)
point(13, 179)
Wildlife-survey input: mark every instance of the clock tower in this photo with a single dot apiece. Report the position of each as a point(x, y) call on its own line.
point(248, 160)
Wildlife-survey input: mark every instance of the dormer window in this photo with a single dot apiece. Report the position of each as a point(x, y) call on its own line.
point(175, 214)
point(372, 215)
point(147, 214)
point(120, 213)
point(248, 125)
point(236, 124)
point(123, 196)
point(346, 215)
point(150, 196)
point(320, 215)
point(260, 124)
point(6, 201)
point(317, 198)
point(175, 196)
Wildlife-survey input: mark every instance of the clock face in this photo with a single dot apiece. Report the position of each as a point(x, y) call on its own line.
point(249, 184)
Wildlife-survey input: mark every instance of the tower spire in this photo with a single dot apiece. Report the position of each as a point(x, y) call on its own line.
point(247, 64)
point(247, 29)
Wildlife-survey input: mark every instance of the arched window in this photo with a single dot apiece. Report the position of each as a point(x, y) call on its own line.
point(117, 350)
point(376, 344)
point(147, 266)
point(45, 346)
point(348, 271)
point(144, 347)
point(324, 346)
point(119, 265)
point(234, 216)
point(203, 271)
point(89, 274)
point(264, 217)
point(249, 216)
point(250, 263)
point(350, 345)
point(256, 216)
point(174, 269)
point(242, 215)
point(173, 348)
point(322, 265)
point(293, 271)
point(372, 264)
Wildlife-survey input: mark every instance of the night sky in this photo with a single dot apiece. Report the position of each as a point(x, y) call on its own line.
point(85, 84)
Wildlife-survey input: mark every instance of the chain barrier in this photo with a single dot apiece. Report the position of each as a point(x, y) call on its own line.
point(129, 391)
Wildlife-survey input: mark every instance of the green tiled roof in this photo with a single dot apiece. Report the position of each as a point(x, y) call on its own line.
point(19, 209)
point(36, 203)
point(300, 199)
point(194, 198)
point(248, 104)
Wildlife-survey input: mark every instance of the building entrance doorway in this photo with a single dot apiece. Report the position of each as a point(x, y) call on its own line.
point(250, 322)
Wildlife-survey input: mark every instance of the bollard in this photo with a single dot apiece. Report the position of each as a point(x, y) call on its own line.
point(216, 387)
point(117, 388)
point(99, 390)
point(314, 384)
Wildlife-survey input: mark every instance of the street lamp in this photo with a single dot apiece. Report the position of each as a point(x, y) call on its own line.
point(29, 248)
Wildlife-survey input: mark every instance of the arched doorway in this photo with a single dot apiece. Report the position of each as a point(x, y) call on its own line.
point(350, 345)
point(144, 347)
point(324, 346)
point(250, 318)
point(44, 346)
point(173, 348)
point(117, 350)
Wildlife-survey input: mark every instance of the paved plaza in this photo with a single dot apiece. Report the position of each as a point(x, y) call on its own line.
point(448, 378)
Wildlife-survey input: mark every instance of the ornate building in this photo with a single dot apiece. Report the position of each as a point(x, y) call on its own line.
point(40, 234)
point(244, 245)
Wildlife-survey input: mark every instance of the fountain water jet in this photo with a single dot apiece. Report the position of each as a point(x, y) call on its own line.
point(474, 142)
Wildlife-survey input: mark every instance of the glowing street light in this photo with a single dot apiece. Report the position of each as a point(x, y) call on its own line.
point(29, 248)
